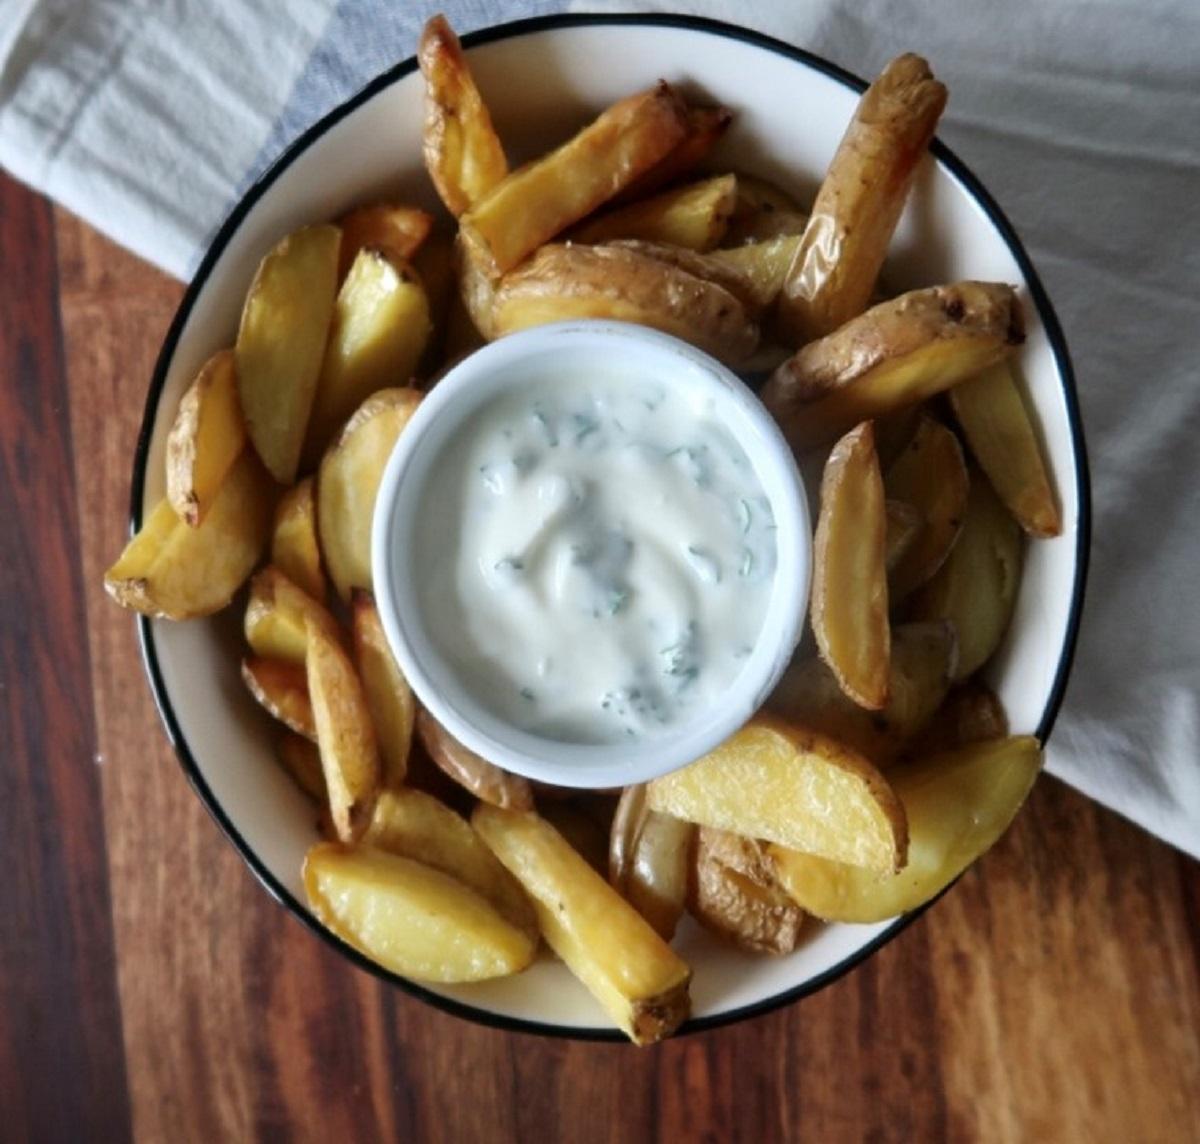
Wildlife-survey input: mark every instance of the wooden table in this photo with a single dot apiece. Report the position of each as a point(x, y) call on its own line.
point(149, 988)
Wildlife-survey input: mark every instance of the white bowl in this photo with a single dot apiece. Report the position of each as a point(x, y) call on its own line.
point(563, 350)
point(568, 68)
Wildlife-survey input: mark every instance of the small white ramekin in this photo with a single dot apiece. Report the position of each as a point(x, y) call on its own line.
point(592, 348)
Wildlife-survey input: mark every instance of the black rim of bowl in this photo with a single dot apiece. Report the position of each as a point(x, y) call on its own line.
point(949, 162)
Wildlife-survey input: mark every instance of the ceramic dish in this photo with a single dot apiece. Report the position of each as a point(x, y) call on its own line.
point(791, 111)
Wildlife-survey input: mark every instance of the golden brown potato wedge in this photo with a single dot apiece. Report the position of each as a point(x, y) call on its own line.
point(381, 326)
point(733, 891)
point(302, 760)
point(894, 431)
point(484, 780)
point(543, 198)
point(708, 267)
point(931, 475)
point(416, 825)
point(958, 805)
point(569, 281)
point(411, 918)
point(850, 588)
point(976, 588)
point(345, 736)
point(207, 437)
point(648, 860)
point(922, 661)
point(903, 526)
point(389, 697)
point(641, 982)
point(705, 127)
point(281, 689)
point(277, 617)
point(179, 573)
point(294, 548)
point(762, 264)
point(693, 216)
point(971, 713)
point(834, 273)
point(281, 343)
point(463, 154)
point(400, 230)
point(896, 354)
point(784, 783)
point(764, 211)
point(477, 293)
point(348, 483)
point(993, 417)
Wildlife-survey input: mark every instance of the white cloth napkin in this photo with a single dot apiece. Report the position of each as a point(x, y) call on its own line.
point(148, 119)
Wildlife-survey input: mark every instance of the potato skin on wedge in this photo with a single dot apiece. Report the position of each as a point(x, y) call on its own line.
point(474, 773)
point(281, 689)
point(648, 860)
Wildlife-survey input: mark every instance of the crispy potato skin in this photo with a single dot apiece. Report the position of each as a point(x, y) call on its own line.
point(648, 859)
point(281, 689)
point(484, 780)
point(398, 229)
point(833, 274)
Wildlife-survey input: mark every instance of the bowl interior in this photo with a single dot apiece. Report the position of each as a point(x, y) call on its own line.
point(541, 84)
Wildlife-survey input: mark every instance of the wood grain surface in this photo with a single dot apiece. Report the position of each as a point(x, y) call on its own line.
point(150, 989)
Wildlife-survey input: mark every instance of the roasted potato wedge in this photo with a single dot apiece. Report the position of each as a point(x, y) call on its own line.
point(281, 343)
point(399, 230)
point(784, 783)
point(348, 483)
point(277, 617)
point(206, 438)
point(389, 697)
point(463, 154)
point(931, 475)
point(302, 760)
point(764, 211)
point(294, 548)
point(833, 274)
point(976, 588)
point(410, 918)
point(569, 281)
point(971, 713)
point(733, 891)
point(922, 661)
point(903, 526)
point(543, 198)
point(648, 860)
point(958, 805)
point(281, 689)
point(693, 216)
point(708, 267)
point(381, 326)
point(484, 780)
point(345, 736)
point(641, 982)
point(896, 354)
point(705, 127)
point(993, 417)
point(762, 264)
point(849, 589)
point(416, 825)
point(177, 572)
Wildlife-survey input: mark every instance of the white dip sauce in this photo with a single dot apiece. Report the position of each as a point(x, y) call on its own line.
point(595, 558)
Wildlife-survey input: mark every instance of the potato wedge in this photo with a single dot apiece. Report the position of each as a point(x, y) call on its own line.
point(694, 216)
point(463, 154)
point(389, 697)
point(302, 760)
point(705, 127)
point(993, 417)
point(922, 661)
point(894, 431)
point(477, 293)
point(641, 982)
point(764, 211)
point(282, 691)
point(410, 918)
point(896, 354)
point(348, 483)
point(416, 825)
point(976, 588)
point(931, 475)
point(648, 860)
point(784, 783)
point(294, 548)
point(381, 326)
point(833, 274)
point(850, 589)
point(177, 572)
point(958, 805)
point(206, 438)
point(399, 230)
point(903, 526)
point(277, 617)
point(543, 198)
point(971, 713)
point(569, 281)
point(484, 780)
point(349, 755)
point(734, 893)
point(763, 264)
point(281, 343)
